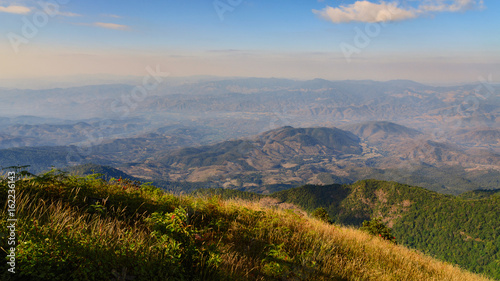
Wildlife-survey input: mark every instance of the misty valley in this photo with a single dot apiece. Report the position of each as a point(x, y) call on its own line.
point(420, 161)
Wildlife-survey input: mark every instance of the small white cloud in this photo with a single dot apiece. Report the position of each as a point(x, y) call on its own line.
point(13, 9)
point(450, 5)
point(365, 11)
point(111, 16)
point(68, 14)
point(111, 25)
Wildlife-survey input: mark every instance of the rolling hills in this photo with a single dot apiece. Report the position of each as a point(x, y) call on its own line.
point(281, 158)
point(290, 156)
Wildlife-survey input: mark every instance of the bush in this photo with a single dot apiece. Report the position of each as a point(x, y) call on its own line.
point(377, 228)
point(321, 214)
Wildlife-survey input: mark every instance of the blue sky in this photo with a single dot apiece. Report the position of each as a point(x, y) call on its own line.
point(434, 41)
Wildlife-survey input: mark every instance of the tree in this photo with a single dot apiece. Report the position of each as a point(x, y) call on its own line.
point(377, 228)
point(321, 214)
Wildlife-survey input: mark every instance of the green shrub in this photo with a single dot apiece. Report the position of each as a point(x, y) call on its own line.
point(321, 214)
point(377, 228)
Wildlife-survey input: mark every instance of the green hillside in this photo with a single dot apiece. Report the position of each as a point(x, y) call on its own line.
point(106, 171)
point(85, 228)
point(464, 230)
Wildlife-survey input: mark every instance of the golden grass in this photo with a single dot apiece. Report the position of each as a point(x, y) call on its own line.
point(340, 253)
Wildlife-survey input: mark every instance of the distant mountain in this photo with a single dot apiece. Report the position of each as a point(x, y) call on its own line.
point(327, 140)
point(7, 141)
point(240, 107)
point(407, 144)
point(106, 171)
point(283, 148)
point(479, 138)
point(381, 131)
point(69, 103)
point(104, 152)
point(39, 159)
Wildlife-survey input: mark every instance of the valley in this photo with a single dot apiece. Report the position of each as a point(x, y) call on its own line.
point(265, 135)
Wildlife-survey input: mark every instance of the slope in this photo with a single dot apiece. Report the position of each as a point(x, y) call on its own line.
point(464, 230)
point(138, 232)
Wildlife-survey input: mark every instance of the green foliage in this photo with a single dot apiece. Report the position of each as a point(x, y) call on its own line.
point(104, 172)
point(273, 265)
point(83, 228)
point(97, 209)
point(173, 229)
point(377, 228)
point(151, 189)
point(321, 214)
point(464, 230)
point(227, 193)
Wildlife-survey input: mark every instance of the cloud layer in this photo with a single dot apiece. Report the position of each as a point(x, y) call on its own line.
point(365, 11)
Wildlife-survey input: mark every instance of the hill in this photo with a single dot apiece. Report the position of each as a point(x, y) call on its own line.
point(288, 157)
point(462, 230)
point(73, 228)
point(257, 163)
point(382, 131)
point(106, 171)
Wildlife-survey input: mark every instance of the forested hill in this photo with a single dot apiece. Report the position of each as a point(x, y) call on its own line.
point(464, 229)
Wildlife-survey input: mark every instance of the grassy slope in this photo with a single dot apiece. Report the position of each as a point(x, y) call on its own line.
point(464, 230)
point(64, 235)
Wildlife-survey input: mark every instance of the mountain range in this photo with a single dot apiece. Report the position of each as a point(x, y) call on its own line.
point(293, 156)
point(262, 134)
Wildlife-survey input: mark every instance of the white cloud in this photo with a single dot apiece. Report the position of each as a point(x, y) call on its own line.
point(111, 25)
point(13, 9)
point(365, 11)
point(23, 10)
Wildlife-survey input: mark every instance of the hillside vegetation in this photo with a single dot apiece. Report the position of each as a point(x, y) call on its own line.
point(464, 229)
point(85, 228)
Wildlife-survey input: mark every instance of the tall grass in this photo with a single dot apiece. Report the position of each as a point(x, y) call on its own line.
point(74, 228)
point(313, 250)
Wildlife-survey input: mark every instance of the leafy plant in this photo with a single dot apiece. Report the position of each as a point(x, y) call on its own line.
point(321, 214)
point(377, 228)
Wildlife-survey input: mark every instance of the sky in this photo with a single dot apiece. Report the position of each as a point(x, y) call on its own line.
point(429, 41)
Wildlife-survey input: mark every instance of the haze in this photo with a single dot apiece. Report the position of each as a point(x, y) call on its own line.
point(432, 41)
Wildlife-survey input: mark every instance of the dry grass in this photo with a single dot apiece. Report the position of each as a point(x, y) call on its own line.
point(340, 253)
